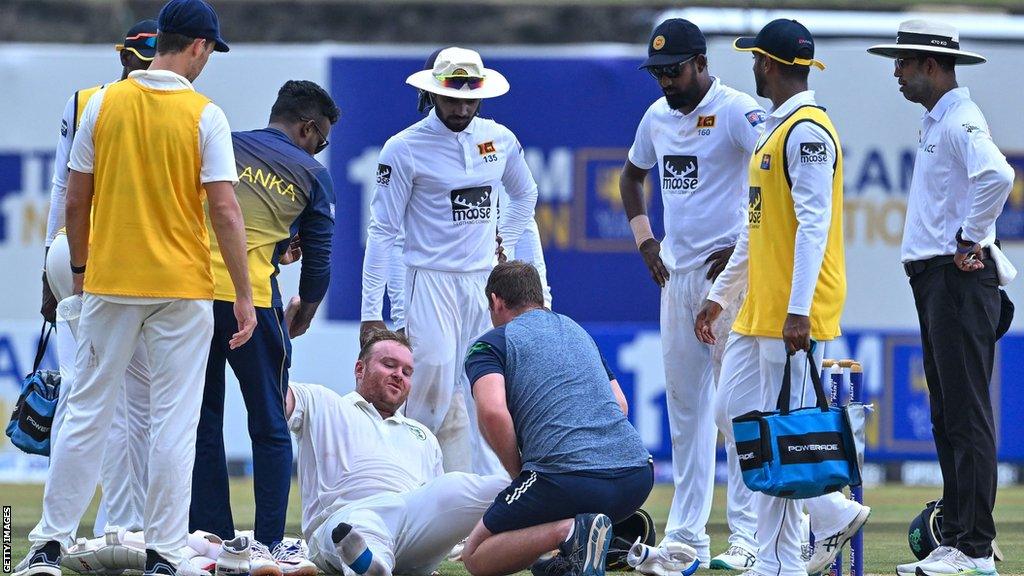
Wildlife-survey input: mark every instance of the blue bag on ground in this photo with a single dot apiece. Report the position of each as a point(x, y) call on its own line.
point(32, 419)
point(799, 453)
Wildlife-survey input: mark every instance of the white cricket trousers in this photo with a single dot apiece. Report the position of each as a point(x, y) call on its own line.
point(412, 532)
point(691, 374)
point(176, 335)
point(445, 313)
point(752, 372)
point(123, 476)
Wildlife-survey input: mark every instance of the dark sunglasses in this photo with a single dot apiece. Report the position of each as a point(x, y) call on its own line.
point(669, 70)
point(901, 62)
point(323, 144)
point(459, 81)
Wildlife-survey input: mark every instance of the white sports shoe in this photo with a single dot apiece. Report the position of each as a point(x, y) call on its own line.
point(261, 561)
point(735, 558)
point(956, 563)
point(911, 568)
point(669, 559)
point(826, 549)
point(233, 559)
point(292, 557)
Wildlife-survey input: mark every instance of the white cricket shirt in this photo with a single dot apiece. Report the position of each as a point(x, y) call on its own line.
point(961, 179)
point(347, 451)
point(702, 160)
point(442, 188)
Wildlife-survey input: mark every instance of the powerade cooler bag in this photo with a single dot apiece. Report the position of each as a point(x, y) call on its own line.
point(32, 419)
point(799, 453)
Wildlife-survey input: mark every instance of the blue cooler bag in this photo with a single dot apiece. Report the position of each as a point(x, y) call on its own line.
point(799, 453)
point(29, 428)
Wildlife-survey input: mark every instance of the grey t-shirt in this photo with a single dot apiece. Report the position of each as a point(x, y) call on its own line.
point(557, 388)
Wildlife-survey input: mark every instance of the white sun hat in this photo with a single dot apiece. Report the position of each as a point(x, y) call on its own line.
point(915, 36)
point(460, 73)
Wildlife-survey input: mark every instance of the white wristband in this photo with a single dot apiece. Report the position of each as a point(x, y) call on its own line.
point(641, 226)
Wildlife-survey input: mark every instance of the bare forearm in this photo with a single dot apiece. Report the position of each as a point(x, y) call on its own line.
point(77, 209)
point(631, 189)
point(500, 433)
point(226, 218)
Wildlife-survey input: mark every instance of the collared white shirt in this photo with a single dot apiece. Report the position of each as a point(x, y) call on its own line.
point(702, 167)
point(215, 147)
point(442, 187)
point(812, 202)
point(961, 179)
point(347, 451)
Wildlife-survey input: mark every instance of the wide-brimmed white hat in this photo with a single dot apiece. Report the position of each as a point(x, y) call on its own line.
point(916, 36)
point(460, 73)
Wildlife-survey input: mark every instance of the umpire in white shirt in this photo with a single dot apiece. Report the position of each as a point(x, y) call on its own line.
point(699, 139)
point(439, 180)
point(961, 181)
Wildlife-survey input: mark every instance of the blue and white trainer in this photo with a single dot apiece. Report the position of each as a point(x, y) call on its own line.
point(42, 561)
point(587, 547)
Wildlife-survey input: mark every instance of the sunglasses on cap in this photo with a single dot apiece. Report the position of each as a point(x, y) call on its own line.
point(459, 81)
point(669, 70)
point(323, 141)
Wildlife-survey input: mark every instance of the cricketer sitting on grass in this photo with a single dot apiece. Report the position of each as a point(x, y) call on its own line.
point(375, 499)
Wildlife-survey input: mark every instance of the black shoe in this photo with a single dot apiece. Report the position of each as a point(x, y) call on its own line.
point(43, 561)
point(587, 548)
point(557, 565)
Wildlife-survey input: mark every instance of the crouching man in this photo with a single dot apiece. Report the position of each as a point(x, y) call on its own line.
point(556, 418)
point(375, 499)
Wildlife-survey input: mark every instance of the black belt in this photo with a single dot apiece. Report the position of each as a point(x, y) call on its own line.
point(918, 266)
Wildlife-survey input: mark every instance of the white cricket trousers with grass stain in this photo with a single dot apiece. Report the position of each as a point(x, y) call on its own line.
point(445, 313)
point(751, 379)
point(123, 477)
point(412, 532)
point(176, 334)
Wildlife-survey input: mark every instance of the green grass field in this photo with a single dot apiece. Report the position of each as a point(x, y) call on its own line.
point(885, 543)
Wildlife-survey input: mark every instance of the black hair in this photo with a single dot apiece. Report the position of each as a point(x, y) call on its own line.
point(302, 99)
point(794, 71)
point(171, 43)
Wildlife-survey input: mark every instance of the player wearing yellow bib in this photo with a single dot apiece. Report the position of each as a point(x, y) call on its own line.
point(123, 473)
point(149, 151)
point(790, 258)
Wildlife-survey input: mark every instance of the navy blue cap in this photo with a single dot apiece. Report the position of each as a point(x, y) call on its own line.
point(674, 40)
point(786, 41)
point(192, 18)
point(141, 40)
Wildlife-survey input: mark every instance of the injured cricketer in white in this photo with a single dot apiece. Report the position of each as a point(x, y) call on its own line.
point(375, 499)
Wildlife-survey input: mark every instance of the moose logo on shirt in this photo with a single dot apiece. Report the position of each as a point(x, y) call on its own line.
point(813, 153)
point(471, 205)
point(679, 174)
point(754, 207)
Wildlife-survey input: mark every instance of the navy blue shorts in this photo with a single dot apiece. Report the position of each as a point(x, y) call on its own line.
point(536, 498)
